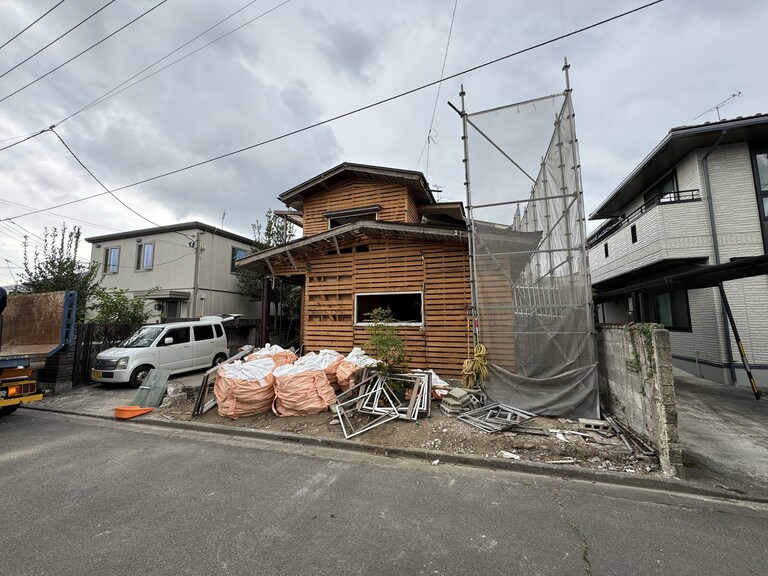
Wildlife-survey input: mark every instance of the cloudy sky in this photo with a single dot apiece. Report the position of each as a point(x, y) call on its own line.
point(304, 61)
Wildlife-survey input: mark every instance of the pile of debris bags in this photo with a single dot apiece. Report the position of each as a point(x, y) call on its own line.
point(274, 378)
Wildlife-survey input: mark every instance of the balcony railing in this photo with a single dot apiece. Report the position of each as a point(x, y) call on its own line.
point(676, 197)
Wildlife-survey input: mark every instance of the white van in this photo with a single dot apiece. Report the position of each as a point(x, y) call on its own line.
point(177, 347)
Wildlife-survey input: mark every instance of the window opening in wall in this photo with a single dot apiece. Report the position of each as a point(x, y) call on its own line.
point(145, 256)
point(111, 260)
point(605, 249)
point(341, 220)
point(665, 190)
point(671, 310)
point(633, 232)
point(406, 307)
point(338, 218)
point(237, 253)
point(760, 171)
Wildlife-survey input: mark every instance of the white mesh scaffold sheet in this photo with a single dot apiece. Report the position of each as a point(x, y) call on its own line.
point(531, 291)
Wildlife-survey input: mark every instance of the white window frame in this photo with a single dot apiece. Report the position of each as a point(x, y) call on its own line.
point(108, 260)
point(141, 256)
point(421, 298)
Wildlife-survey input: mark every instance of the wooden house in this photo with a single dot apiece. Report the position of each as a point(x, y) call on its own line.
point(376, 237)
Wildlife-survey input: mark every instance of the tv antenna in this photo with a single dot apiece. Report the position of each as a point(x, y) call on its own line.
point(716, 107)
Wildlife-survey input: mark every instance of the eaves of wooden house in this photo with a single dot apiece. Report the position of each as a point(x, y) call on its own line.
point(376, 237)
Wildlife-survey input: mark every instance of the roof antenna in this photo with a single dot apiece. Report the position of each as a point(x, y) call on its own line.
point(223, 215)
point(717, 107)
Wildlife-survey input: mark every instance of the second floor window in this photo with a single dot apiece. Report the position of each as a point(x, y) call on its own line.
point(145, 256)
point(111, 260)
point(664, 191)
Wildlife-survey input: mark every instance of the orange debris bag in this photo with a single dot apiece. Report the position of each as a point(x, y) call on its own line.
point(280, 355)
point(348, 368)
point(245, 389)
point(301, 391)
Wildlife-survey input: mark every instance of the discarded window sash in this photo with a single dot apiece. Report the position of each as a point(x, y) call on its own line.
point(202, 403)
point(374, 396)
point(496, 418)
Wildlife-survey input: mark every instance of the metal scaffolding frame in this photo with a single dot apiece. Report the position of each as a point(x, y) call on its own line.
point(531, 301)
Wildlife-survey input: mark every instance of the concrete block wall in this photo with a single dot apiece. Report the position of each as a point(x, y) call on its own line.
point(637, 386)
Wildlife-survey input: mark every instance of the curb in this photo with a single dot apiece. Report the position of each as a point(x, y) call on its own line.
point(537, 468)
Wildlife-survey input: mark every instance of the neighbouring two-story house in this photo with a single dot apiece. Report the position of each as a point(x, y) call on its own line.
point(190, 266)
point(375, 237)
point(691, 217)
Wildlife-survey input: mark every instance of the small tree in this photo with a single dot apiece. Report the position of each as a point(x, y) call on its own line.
point(385, 344)
point(57, 267)
point(285, 297)
point(116, 307)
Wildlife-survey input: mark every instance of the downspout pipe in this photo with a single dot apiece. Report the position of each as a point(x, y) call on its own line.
point(716, 247)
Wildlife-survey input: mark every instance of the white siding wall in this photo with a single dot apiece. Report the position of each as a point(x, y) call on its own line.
point(174, 269)
point(683, 230)
point(665, 231)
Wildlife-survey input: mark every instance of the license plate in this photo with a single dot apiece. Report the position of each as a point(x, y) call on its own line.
point(96, 374)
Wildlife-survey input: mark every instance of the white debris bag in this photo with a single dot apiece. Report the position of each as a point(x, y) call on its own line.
point(325, 360)
point(280, 355)
point(245, 388)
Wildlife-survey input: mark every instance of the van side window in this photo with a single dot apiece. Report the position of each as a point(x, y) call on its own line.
point(219, 330)
point(179, 335)
point(203, 332)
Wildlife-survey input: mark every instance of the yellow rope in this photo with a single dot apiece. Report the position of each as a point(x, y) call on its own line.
point(475, 368)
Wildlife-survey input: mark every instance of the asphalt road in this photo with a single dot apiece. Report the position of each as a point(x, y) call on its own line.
point(83, 496)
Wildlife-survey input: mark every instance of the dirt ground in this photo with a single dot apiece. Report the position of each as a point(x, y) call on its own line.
point(447, 434)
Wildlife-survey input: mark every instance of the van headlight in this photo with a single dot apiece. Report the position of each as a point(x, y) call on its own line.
point(122, 364)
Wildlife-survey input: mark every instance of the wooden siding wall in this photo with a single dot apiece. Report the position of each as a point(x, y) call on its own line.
point(441, 271)
point(498, 317)
point(394, 200)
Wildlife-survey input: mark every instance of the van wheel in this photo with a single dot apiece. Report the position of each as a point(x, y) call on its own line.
point(8, 409)
point(139, 375)
point(218, 359)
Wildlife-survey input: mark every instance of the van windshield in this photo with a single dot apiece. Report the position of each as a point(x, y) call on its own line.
point(142, 338)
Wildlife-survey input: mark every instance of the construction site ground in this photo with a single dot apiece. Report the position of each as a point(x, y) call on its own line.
point(438, 433)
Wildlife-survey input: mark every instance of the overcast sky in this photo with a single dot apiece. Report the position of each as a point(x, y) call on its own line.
point(633, 79)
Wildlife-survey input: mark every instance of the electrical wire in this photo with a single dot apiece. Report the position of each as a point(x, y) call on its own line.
point(345, 114)
point(94, 224)
point(52, 42)
point(4, 98)
point(440, 85)
point(30, 25)
point(116, 90)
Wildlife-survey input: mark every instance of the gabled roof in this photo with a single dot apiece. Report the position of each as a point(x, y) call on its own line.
point(415, 181)
point(678, 143)
point(171, 228)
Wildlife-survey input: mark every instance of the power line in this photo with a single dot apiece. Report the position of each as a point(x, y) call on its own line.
point(99, 182)
point(346, 114)
point(32, 24)
point(28, 58)
point(4, 98)
point(440, 85)
point(17, 205)
point(108, 191)
point(116, 90)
